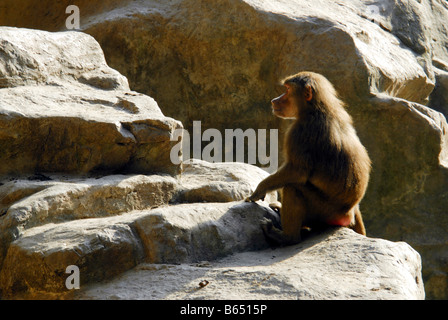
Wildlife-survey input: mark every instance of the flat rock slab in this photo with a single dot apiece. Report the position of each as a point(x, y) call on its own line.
point(202, 181)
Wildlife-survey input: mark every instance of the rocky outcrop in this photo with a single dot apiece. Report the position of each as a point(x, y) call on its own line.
point(62, 109)
point(186, 243)
point(78, 116)
point(107, 225)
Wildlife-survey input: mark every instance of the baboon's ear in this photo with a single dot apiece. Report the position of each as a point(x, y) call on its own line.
point(308, 92)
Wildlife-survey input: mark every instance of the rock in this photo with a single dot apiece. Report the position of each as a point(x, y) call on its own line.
point(33, 57)
point(407, 199)
point(40, 17)
point(109, 225)
point(102, 247)
point(34, 203)
point(37, 262)
point(338, 264)
point(220, 182)
point(270, 39)
point(25, 204)
point(382, 25)
point(196, 232)
point(423, 155)
point(74, 114)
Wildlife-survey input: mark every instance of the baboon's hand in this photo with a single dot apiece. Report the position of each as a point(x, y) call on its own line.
point(255, 196)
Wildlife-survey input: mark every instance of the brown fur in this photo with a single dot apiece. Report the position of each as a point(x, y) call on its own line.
point(326, 168)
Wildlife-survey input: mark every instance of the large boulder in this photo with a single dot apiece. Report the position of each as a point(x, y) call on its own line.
point(62, 109)
point(196, 50)
point(407, 199)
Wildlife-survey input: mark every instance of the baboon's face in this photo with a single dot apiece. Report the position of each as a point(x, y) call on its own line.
point(286, 105)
